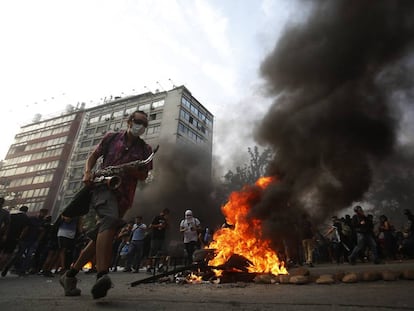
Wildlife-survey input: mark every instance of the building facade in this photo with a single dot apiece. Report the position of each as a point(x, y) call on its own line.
point(174, 116)
point(32, 172)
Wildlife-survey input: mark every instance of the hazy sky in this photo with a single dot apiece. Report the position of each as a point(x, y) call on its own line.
point(56, 53)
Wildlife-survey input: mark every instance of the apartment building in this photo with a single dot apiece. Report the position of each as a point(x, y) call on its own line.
point(45, 164)
point(32, 172)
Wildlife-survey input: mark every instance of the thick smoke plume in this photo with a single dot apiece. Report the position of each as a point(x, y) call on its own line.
point(335, 78)
point(182, 180)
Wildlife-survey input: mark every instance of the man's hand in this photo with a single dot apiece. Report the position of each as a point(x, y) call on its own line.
point(87, 178)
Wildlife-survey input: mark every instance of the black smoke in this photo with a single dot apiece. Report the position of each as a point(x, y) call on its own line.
point(182, 180)
point(335, 79)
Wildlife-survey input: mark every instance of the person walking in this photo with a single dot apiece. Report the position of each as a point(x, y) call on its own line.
point(365, 236)
point(111, 204)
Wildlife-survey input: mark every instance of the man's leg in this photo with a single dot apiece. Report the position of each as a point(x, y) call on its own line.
point(103, 262)
point(68, 279)
point(359, 246)
point(104, 249)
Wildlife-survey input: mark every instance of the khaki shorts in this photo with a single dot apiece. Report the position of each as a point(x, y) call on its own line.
point(105, 204)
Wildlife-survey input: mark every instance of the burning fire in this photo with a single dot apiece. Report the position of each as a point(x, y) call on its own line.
point(194, 278)
point(87, 266)
point(245, 238)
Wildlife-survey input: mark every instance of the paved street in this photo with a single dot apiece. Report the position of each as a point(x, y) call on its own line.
point(40, 293)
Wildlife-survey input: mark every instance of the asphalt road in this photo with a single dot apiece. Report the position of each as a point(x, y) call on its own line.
point(40, 293)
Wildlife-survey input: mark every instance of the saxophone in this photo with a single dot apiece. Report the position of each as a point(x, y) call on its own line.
point(111, 175)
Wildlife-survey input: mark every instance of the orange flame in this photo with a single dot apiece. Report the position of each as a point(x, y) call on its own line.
point(194, 278)
point(245, 238)
point(87, 266)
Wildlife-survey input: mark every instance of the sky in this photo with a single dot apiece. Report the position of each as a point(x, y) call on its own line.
point(60, 53)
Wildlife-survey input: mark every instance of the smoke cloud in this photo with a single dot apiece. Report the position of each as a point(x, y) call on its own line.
point(337, 80)
point(182, 180)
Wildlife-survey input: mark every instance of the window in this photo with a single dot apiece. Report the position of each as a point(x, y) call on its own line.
point(101, 129)
point(94, 119)
point(155, 116)
point(86, 143)
point(130, 110)
point(118, 114)
point(106, 117)
point(81, 156)
point(153, 129)
point(157, 104)
point(145, 107)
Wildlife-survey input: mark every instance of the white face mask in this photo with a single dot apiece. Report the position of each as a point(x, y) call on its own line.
point(137, 130)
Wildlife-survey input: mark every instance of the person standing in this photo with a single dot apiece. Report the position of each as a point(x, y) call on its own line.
point(386, 238)
point(190, 227)
point(136, 245)
point(307, 236)
point(13, 245)
point(4, 223)
point(337, 247)
point(111, 204)
point(67, 232)
point(159, 227)
point(365, 236)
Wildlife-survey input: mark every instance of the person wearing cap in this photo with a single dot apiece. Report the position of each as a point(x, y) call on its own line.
point(365, 236)
point(190, 228)
point(115, 148)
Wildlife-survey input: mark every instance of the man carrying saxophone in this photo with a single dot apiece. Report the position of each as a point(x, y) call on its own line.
point(119, 150)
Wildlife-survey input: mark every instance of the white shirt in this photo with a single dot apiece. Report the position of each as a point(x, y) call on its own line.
point(187, 224)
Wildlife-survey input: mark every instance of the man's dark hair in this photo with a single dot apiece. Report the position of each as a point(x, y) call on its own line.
point(24, 208)
point(131, 116)
point(1, 201)
point(357, 208)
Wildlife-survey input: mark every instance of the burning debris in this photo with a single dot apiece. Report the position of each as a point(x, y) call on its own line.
point(245, 237)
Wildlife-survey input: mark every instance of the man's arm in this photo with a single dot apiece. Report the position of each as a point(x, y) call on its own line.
point(90, 163)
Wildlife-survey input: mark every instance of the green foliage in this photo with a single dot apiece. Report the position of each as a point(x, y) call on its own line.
point(248, 173)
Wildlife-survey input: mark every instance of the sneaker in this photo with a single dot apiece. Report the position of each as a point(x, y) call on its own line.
point(69, 285)
point(101, 287)
point(47, 274)
point(127, 270)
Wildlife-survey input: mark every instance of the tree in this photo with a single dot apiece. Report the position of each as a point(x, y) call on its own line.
point(248, 173)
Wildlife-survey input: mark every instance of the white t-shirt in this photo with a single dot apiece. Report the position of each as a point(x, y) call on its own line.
point(187, 224)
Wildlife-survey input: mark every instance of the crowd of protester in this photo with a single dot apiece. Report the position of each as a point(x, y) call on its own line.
point(339, 243)
point(35, 245)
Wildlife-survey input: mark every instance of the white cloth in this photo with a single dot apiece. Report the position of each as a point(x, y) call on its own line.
point(190, 234)
point(68, 229)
